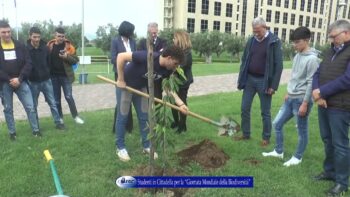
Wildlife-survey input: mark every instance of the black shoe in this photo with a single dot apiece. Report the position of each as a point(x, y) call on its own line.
point(173, 125)
point(13, 136)
point(337, 190)
point(60, 126)
point(324, 176)
point(37, 134)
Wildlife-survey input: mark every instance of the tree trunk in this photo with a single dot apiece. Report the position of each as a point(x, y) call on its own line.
point(208, 59)
point(151, 121)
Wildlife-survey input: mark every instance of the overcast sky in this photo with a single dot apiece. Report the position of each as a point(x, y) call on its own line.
point(97, 12)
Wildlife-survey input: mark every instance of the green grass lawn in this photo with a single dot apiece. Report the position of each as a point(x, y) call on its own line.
point(87, 165)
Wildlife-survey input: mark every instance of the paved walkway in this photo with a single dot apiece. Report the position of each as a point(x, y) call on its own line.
point(93, 97)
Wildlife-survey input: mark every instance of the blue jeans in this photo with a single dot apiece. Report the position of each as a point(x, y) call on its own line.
point(290, 109)
point(140, 103)
point(334, 130)
point(63, 82)
point(46, 88)
point(25, 96)
point(255, 85)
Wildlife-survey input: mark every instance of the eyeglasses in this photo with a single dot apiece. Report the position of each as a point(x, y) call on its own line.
point(335, 36)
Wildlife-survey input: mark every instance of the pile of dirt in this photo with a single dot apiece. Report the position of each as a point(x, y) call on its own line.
point(206, 153)
point(158, 171)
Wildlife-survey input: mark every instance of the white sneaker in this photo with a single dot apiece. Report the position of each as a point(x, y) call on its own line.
point(123, 155)
point(148, 151)
point(293, 161)
point(273, 154)
point(78, 120)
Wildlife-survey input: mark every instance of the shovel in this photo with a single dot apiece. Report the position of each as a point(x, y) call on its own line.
point(54, 174)
point(228, 126)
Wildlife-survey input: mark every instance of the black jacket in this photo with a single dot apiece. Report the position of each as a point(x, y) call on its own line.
point(187, 68)
point(40, 61)
point(157, 47)
point(21, 67)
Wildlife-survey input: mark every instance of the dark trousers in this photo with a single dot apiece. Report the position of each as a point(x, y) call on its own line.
point(129, 123)
point(180, 118)
point(334, 130)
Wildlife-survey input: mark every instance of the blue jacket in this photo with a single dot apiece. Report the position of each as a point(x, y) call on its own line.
point(274, 63)
point(117, 46)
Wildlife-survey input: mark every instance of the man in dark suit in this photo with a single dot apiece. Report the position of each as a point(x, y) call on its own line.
point(158, 45)
point(122, 43)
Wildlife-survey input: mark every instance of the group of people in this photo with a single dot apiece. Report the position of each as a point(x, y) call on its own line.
point(325, 82)
point(34, 67)
point(130, 66)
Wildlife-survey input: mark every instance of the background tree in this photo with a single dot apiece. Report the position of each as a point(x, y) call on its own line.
point(105, 34)
point(288, 51)
point(207, 43)
point(233, 45)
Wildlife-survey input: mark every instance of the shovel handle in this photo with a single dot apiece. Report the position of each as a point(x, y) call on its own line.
point(205, 119)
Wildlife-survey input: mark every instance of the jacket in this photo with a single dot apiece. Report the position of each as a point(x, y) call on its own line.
point(69, 61)
point(157, 47)
point(274, 63)
point(187, 68)
point(117, 46)
point(22, 67)
point(40, 60)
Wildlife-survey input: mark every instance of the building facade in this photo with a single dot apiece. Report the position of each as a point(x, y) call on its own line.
point(282, 16)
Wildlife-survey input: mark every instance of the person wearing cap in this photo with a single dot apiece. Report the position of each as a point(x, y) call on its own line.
point(297, 101)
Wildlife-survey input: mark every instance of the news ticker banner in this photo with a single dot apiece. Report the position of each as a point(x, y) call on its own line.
point(185, 182)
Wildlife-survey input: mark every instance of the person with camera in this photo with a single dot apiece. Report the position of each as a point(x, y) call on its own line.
point(62, 57)
point(14, 70)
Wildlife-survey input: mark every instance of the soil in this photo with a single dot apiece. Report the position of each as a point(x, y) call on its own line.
point(253, 161)
point(207, 154)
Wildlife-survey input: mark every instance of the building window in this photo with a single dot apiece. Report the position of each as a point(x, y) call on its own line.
point(205, 6)
point(191, 6)
point(318, 39)
point(237, 17)
point(285, 18)
point(217, 8)
point(302, 5)
point(349, 13)
point(256, 8)
point(292, 19)
point(291, 33)
point(286, 3)
point(322, 7)
point(190, 25)
point(294, 4)
point(314, 22)
point(268, 16)
point(204, 25)
point(216, 25)
point(228, 27)
point(320, 23)
point(309, 2)
point(275, 31)
point(284, 34)
point(244, 17)
point(277, 17)
point(315, 6)
point(301, 20)
point(269, 2)
point(312, 37)
point(228, 10)
point(307, 22)
point(278, 3)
